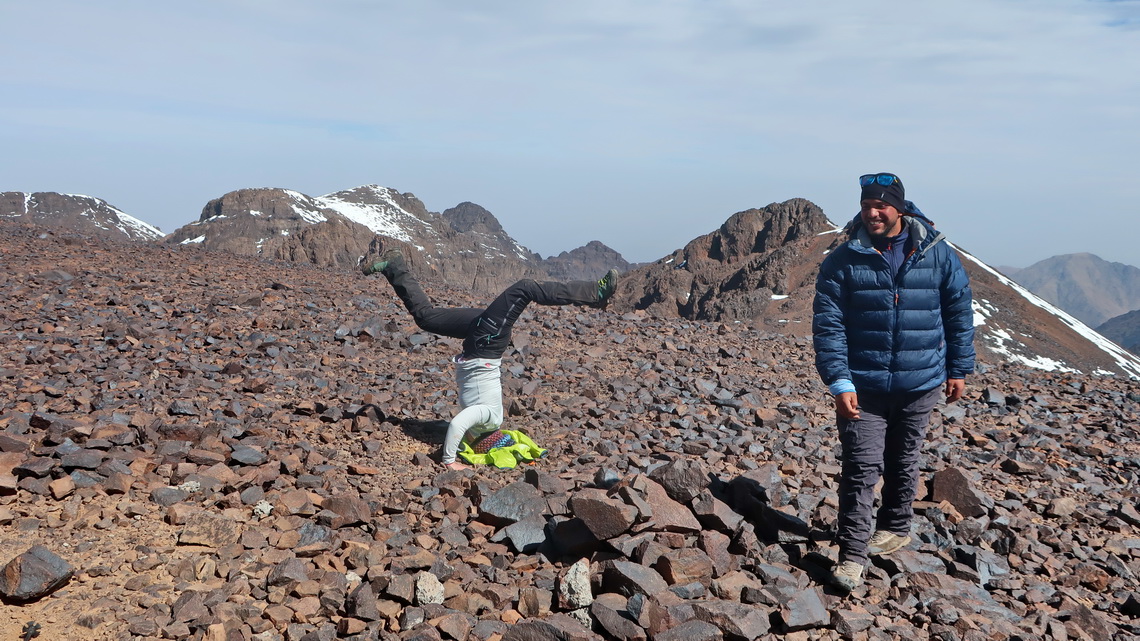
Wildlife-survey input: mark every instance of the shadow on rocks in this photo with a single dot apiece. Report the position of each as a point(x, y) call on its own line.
point(779, 539)
point(426, 431)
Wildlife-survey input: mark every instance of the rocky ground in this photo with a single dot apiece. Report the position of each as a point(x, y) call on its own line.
point(201, 446)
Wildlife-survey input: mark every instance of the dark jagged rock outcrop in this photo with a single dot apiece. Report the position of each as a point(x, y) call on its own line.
point(482, 256)
point(473, 220)
point(334, 243)
point(81, 214)
point(746, 270)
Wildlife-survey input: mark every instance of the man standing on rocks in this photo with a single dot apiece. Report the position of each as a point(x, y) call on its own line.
point(486, 334)
point(893, 323)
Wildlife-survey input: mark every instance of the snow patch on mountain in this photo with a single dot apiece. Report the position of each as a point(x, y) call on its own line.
point(127, 224)
point(1005, 343)
point(385, 217)
point(97, 211)
point(304, 207)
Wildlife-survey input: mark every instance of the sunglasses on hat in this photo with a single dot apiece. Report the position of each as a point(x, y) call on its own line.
point(882, 179)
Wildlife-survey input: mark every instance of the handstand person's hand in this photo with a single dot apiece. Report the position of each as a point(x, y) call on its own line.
point(456, 465)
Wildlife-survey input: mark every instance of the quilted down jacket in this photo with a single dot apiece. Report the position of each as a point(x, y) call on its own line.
point(887, 333)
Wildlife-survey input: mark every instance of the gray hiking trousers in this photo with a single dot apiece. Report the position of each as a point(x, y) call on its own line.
point(886, 442)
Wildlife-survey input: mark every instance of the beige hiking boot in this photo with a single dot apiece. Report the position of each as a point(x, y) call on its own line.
point(883, 543)
point(847, 575)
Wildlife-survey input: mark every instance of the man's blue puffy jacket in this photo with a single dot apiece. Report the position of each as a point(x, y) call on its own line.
point(893, 334)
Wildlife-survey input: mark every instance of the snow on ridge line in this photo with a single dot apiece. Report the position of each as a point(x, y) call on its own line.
point(302, 207)
point(998, 339)
point(381, 218)
point(1124, 359)
point(139, 226)
point(521, 251)
point(144, 228)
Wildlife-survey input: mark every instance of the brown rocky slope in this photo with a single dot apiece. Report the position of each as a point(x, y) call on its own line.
point(220, 447)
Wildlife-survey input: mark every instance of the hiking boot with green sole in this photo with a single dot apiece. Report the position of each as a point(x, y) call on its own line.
point(607, 285)
point(372, 265)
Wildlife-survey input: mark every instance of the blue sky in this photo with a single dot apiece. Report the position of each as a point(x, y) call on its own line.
point(1015, 124)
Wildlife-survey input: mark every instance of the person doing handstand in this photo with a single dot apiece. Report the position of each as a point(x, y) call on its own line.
point(486, 334)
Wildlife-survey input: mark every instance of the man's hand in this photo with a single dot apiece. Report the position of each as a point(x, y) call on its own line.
point(847, 405)
point(954, 389)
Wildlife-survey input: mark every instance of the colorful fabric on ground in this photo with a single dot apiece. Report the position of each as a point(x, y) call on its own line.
point(491, 440)
point(522, 450)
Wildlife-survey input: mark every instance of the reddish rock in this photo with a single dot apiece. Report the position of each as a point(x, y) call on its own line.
point(605, 517)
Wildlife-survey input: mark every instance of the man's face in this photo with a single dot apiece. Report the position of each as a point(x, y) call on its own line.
point(879, 218)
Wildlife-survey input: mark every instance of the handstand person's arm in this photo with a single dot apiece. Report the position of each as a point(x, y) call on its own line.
point(480, 418)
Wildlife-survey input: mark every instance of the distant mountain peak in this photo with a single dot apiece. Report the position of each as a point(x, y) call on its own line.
point(1084, 285)
point(467, 217)
point(587, 262)
point(385, 211)
point(78, 212)
point(374, 194)
point(344, 226)
point(1124, 330)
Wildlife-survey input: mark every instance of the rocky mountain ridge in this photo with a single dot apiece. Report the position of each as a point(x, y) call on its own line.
point(202, 445)
point(84, 214)
point(340, 228)
point(749, 269)
point(464, 246)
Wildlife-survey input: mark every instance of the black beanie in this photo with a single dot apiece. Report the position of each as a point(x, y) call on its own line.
point(892, 194)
